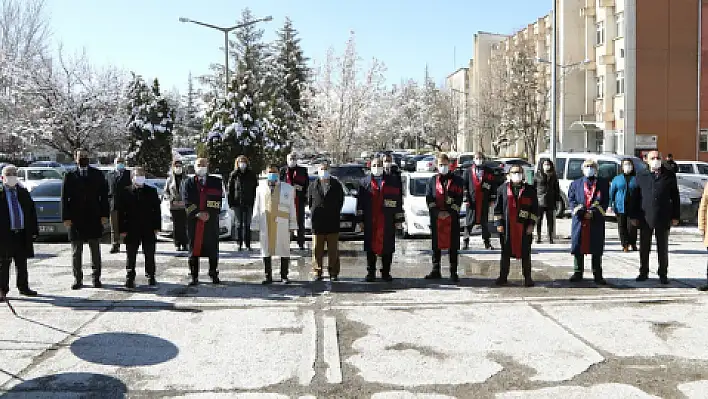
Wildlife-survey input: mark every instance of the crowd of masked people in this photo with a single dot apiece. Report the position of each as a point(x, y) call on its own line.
point(645, 203)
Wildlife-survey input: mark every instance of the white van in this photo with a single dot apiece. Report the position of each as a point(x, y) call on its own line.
point(569, 167)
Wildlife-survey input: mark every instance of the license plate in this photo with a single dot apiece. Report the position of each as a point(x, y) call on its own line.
point(46, 229)
point(345, 224)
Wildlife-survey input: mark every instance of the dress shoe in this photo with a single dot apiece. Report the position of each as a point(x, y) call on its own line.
point(151, 281)
point(194, 282)
point(550, 241)
point(370, 278)
point(634, 247)
point(600, 281)
point(387, 277)
point(215, 280)
point(130, 283)
point(454, 278)
point(664, 280)
point(466, 245)
point(285, 280)
point(318, 278)
point(77, 285)
point(529, 283)
point(3, 296)
point(115, 249)
point(576, 278)
point(434, 275)
point(642, 277)
point(500, 282)
point(488, 245)
point(28, 292)
point(703, 288)
point(267, 281)
point(97, 283)
point(625, 248)
point(240, 248)
point(333, 278)
point(538, 241)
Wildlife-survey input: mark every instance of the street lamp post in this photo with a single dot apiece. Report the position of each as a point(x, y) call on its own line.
point(226, 32)
point(554, 87)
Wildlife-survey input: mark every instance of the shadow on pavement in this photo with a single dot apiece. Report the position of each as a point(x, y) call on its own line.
point(70, 385)
point(107, 305)
point(124, 349)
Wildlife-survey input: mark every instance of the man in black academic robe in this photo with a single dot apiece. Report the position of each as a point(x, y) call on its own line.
point(380, 210)
point(139, 217)
point(202, 195)
point(444, 197)
point(479, 186)
point(515, 214)
point(297, 177)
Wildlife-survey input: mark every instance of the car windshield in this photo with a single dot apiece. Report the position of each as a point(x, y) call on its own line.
point(347, 171)
point(47, 190)
point(41, 174)
point(418, 187)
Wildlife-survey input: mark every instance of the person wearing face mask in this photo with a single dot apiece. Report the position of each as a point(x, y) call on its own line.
point(548, 190)
point(202, 195)
point(325, 197)
point(390, 167)
point(297, 177)
point(118, 179)
point(444, 196)
point(18, 229)
point(588, 197)
point(275, 215)
point(85, 211)
point(139, 216)
point(380, 213)
point(479, 186)
point(242, 195)
point(515, 213)
point(173, 193)
point(621, 189)
point(655, 208)
point(671, 164)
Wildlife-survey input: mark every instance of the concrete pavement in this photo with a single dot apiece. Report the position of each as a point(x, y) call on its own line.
point(408, 339)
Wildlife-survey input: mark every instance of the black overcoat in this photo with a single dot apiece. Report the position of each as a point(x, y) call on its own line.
point(30, 222)
point(203, 236)
point(656, 200)
point(84, 201)
point(139, 213)
point(117, 181)
point(325, 209)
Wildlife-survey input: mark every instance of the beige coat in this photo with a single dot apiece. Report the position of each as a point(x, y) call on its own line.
point(274, 217)
point(703, 215)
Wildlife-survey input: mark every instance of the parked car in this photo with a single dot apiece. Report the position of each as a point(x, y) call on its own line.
point(410, 162)
point(348, 228)
point(46, 164)
point(47, 199)
point(415, 207)
point(226, 216)
point(31, 177)
point(427, 163)
point(349, 174)
point(159, 185)
point(693, 170)
point(507, 163)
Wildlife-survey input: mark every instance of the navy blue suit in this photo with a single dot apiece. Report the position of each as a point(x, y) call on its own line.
point(588, 236)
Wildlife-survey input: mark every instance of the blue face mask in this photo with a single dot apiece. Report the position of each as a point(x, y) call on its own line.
point(272, 177)
point(120, 166)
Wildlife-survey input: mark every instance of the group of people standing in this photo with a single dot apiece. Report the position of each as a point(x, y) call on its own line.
point(647, 203)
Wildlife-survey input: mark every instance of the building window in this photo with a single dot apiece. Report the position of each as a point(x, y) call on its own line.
point(621, 114)
point(621, 53)
point(600, 87)
point(703, 141)
point(619, 24)
point(600, 33)
point(619, 82)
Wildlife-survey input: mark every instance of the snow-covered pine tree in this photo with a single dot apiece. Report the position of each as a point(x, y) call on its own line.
point(294, 75)
point(150, 126)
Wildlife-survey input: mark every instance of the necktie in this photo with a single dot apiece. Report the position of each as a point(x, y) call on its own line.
point(15, 209)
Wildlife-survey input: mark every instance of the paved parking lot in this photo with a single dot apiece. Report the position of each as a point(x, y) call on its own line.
point(408, 339)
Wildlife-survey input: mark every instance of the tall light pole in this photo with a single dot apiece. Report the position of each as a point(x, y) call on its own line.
point(226, 32)
point(554, 86)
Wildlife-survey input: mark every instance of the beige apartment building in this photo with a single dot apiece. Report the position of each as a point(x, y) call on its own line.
point(628, 76)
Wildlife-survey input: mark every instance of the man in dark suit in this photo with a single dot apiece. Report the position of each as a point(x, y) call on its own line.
point(671, 164)
point(18, 229)
point(297, 177)
point(85, 211)
point(325, 198)
point(118, 179)
point(140, 218)
point(655, 208)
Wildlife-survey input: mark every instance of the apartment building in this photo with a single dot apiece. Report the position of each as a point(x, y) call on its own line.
point(458, 83)
point(628, 76)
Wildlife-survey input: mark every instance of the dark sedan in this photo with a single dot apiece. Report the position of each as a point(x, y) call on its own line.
point(349, 174)
point(409, 163)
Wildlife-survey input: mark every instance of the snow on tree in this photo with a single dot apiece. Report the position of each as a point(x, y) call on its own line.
point(150, 126)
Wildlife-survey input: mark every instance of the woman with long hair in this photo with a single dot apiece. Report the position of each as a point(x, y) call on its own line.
point(548, 190)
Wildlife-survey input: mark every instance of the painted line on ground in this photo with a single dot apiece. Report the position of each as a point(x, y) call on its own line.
point(331, 351)
point(309, 354)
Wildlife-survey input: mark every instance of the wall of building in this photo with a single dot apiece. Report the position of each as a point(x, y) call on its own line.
point(703, 155)
point(666, 74)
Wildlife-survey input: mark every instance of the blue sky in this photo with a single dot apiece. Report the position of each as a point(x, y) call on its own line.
point(145, 36)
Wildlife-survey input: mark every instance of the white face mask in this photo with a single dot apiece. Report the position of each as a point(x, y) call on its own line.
point(589, 172)
point(324, 174)
point(477, 161)
point(515, 177)
point(292, 163)
point(376, 171)
point(655, 164)
point(242, 165)
point(444, 169)
point(139, 180)
point(201, 171)
point(627, 169)
point(178, 170)
point(11, 180)
point(546, 168)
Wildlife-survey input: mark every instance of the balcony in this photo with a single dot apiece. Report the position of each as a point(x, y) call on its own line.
point(607, 60)
point(587, 12)
point(607, 3)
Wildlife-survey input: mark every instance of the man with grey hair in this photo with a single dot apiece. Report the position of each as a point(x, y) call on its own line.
point(139, 216)
point(18, 229)
point(117, 179)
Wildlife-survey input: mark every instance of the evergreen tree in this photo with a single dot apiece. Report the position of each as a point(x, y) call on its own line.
point(188, 127)
point(293, 69)
point(150, 127)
